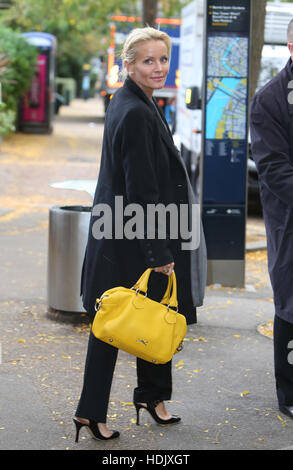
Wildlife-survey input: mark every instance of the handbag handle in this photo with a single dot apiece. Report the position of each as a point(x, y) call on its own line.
point(172, 284)
point(142, 284)
point(166, 298)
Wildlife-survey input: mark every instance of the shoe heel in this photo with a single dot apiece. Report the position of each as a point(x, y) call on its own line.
point(78, 426)
point(150, 407)
point(137, 407)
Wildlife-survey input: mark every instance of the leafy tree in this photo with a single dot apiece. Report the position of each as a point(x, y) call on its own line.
point(172, 8)
point(7, 119)
point(17, 67)
point(81, 27)
point(18, 60)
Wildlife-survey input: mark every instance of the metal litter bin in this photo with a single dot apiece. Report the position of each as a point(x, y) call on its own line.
point(68, 232)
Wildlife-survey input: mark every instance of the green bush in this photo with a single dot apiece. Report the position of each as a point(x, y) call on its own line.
point(18, 61)
point(7, 119)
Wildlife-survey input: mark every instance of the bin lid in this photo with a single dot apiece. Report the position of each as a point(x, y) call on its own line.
point(80, 185)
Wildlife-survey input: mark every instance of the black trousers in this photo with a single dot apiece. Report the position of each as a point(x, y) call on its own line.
point(154, 381)
point(283, 335)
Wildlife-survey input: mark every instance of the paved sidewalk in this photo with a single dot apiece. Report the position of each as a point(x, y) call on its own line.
point(223, 378)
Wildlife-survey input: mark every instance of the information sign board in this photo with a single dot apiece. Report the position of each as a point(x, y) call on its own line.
point(225, 130)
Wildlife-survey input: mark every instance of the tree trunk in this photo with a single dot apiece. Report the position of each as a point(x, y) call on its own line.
point(149, 12)
point(257, 42)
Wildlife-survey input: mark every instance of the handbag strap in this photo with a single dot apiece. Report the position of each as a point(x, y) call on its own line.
point(142, 285)
point(166, 297)
point(172, 284)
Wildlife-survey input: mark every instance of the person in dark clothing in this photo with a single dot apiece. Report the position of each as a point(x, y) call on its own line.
point(271, 118)
point(141, 165)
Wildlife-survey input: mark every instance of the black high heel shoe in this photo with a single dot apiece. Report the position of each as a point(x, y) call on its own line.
point(93, 430)
point(150, 407)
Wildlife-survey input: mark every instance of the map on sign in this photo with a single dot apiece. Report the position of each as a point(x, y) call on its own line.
point(226, 87)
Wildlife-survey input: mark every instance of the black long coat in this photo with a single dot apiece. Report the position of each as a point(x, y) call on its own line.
point(140, 163)
point(272, 149)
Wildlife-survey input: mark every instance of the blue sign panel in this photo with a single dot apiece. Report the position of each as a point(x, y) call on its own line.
point(226, 102)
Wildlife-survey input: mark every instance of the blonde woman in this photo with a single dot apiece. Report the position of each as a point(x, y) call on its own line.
point(141, 164)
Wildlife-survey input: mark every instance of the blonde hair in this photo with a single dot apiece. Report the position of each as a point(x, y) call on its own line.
point(136, 36)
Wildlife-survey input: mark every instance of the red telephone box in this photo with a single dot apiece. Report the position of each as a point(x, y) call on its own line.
point(36, 111)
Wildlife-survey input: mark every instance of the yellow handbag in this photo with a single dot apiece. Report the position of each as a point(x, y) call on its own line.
point(131, 321)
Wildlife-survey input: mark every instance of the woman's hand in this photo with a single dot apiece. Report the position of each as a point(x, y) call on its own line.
point(167, 269)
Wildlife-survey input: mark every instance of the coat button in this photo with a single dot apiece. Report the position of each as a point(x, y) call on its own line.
point(152, 259)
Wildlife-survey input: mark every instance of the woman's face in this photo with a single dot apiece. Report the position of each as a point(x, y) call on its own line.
point(151, 66)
